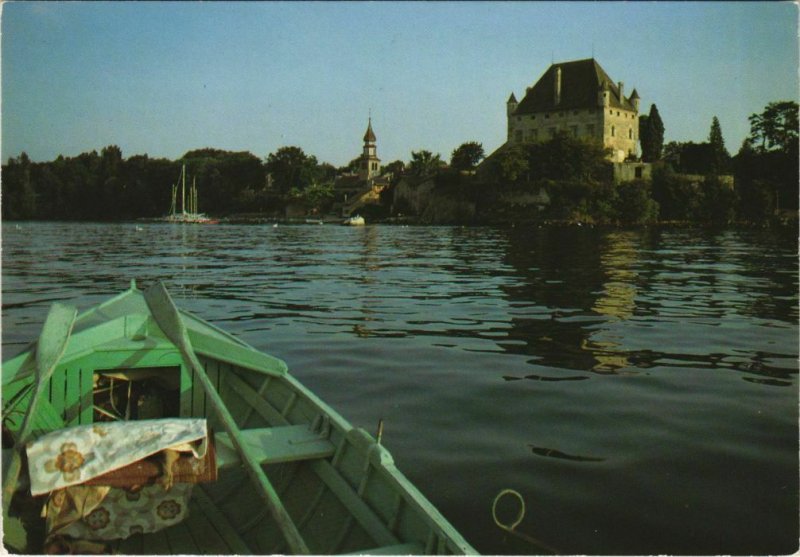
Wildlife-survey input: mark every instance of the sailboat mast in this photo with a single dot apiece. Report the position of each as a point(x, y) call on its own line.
point(194, 194)
point(183, 190)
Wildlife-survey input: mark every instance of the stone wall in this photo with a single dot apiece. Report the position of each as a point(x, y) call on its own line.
point(582, 122)
point(418, 197)
point(617, 128)
point(621, 132)
point(629, 171)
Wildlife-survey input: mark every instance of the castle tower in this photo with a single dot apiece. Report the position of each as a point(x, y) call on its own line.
point(635, 100)
point(511, 106)
point(603, 95)
point(370, 164)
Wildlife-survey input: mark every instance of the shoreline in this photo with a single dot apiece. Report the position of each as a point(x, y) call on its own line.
point(261, 220)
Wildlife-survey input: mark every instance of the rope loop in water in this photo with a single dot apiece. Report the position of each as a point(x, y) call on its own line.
point(511, 527)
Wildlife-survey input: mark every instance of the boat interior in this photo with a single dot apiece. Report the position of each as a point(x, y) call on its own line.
point(338, 484)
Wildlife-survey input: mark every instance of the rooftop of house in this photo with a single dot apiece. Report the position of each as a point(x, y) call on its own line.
point(581, 81)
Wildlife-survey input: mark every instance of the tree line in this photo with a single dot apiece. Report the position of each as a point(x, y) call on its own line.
point(574, 174)
point(106, 186)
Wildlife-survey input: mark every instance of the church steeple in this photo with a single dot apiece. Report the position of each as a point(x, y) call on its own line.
point(369, 137)
point(369, 167)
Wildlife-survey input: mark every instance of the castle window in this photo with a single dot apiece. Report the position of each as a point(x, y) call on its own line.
point(611, 112)
point(613, 131)
point(533, 116)
point(617, 112)
point(630, 134)
point(547, 116)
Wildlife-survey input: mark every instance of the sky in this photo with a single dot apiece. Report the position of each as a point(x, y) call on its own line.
point(163, 78)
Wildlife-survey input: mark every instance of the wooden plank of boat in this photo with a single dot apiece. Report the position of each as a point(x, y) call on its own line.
point(221, 524)
point(271, 445)
point(170, 322)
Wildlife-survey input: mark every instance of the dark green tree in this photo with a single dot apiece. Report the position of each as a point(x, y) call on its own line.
point(424, 163)
point(766, 180)
point(291, 168)
point(717, 201)
point(19, 196)
point(676, 195)
point(564, 157)
point(467, 156)
point(651, 135)
point(776, 127)
point(109, 186)
point(690, 157)
point(511, 165)
point(396, 168)
point(633, 203)
point(326, 172)
point(222, 177)
point(720, 158)
point(351, 167)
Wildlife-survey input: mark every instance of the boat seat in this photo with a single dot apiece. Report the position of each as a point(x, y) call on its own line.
point(272, 445)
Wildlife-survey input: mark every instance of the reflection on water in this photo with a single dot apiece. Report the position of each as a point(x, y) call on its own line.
point(618, 261)
point(638, 388)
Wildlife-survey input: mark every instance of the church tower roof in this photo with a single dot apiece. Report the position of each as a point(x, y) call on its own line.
point(369, 137)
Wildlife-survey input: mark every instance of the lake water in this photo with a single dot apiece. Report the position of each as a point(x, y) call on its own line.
point(638, 388)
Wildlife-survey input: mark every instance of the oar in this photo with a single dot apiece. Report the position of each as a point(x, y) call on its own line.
point(52, 343)
point(171, 323)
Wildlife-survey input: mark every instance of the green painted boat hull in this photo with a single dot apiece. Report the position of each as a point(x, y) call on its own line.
point(339, 486)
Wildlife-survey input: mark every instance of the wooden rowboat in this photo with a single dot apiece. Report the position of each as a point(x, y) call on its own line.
point(292, 475)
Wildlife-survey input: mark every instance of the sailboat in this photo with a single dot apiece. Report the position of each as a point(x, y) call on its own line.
point(191, 215)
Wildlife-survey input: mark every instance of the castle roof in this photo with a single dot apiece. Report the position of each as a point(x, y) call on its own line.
point(369, 137)
point(512, 99)
point(580, 82)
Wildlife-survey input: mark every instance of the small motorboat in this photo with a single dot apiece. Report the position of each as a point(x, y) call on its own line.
point(356, 220)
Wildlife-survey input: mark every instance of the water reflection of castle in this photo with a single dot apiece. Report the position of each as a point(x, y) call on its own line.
point(618, 299)
point(576, 281)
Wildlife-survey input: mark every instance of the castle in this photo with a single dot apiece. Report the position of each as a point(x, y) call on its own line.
point(579, 98)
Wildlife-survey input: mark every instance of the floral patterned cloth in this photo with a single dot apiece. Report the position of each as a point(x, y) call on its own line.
point(71, 456)
point(103, 513)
